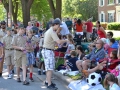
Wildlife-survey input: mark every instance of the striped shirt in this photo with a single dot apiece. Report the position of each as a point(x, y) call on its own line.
point(96, 54)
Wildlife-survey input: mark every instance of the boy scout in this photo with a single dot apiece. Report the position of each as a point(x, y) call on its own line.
point(18, 43)
point(9, 56)
point(2, 33)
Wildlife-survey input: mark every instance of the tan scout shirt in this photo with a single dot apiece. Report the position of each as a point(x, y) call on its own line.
point(7, 41)
point(50, 37)
point(2, 34)
point(20, 41)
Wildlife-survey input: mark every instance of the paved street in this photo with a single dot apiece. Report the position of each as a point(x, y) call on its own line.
point(12, 84)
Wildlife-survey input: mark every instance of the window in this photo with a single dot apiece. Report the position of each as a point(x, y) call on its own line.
point(101, 2)
point(110, 17)
point(102, 16)
point(111, 1)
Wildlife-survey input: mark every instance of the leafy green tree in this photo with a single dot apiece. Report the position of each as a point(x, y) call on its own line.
point(81, 8)
point(15, 4)
point(41, 10)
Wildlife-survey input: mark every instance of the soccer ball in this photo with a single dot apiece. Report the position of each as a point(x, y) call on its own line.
point(94, 79)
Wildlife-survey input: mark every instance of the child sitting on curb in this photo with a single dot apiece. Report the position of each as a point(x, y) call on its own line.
point(71, 63)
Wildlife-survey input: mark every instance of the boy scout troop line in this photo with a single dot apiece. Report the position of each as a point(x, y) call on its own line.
point(18, 50)
point(23, 48)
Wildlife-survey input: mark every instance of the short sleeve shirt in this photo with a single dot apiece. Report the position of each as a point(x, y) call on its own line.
point(2, 34)
point(114, 87)
point(19, 40)
point(50, 37)
point(7, 41)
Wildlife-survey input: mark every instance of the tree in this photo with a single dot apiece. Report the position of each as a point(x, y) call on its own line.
point(55, 8)
point(85, 8)
point(26, 5)
point(43, 10)
point(15, 4)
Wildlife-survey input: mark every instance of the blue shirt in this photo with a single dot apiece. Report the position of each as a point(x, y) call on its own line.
point(72, 63)
point(114, 87)
point(97, 54)
point(115, 45)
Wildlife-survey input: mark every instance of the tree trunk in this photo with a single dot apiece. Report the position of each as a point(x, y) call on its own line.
point(58, 9)
point(15, 12)
point(56, 12)
point(26, 5)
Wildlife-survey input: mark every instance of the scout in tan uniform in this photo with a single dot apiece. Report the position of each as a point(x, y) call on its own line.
point(20, 58)
point(2, 34)
point(50, 37)
point(9, 52)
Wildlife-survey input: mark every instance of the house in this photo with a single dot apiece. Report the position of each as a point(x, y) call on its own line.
point(109, 10)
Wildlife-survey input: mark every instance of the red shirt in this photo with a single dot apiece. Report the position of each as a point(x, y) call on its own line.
point(101, 34)
point(79, 28)
point(89, 26)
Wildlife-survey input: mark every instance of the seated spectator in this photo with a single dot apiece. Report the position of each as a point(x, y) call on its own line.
point(113, 44)
point(71, 63)
point(91, 47)
point(70, 47)
point(109, 36)
point(106, 46)
point(61, 47)
point(97, 53)
point(80, 52)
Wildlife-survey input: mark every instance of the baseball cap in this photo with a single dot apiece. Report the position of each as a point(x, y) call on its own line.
point(57, 21)
point(9, 29)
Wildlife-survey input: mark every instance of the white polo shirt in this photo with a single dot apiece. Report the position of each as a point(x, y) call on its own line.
point(64, 30)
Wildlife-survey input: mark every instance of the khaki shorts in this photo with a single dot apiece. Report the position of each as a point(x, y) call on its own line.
point(22, 61)
point(9, 57)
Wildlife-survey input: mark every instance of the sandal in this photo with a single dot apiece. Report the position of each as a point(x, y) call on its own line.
point(25, 83)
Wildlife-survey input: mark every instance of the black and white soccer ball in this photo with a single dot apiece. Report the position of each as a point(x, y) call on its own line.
point(94, 79)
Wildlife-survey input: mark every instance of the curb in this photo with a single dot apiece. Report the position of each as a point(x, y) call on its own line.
point(65, 79)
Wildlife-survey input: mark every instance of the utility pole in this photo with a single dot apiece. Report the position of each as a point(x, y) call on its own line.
point(10, 14)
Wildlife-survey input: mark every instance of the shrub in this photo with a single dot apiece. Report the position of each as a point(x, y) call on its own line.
point(113, 26)
point(104, 25)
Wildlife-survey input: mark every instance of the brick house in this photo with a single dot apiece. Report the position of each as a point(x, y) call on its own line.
point(109, 10)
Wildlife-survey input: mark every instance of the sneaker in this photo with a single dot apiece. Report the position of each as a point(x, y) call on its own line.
point(9, 76)
point(53, 84)
point(31, 79)
point(51, 87)
point(44, 73)
point(18, 80)
point(25, 83)
point(13, 71)
point(39, 72)
point(0, 74)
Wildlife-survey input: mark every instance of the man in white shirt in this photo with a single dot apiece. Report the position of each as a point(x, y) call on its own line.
point(64, 29)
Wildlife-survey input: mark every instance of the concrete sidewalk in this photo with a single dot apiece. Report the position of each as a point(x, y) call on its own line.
point(60, 80)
